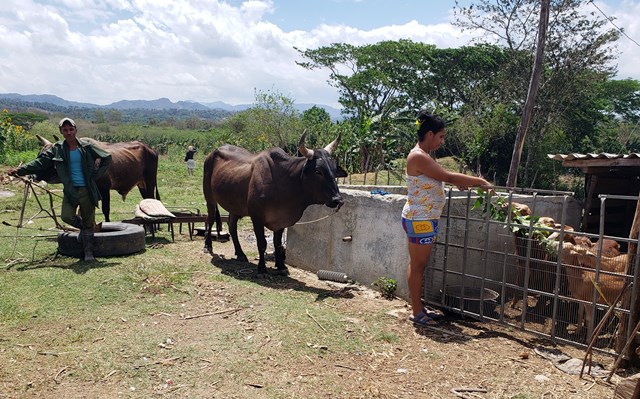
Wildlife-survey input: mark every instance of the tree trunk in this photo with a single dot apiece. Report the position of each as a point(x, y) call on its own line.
point(534, 83)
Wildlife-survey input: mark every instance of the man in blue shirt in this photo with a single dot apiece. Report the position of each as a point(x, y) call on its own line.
point(79, 162)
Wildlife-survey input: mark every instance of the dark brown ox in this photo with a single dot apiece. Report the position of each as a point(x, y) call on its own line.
point(133, 164)
point(272, 188)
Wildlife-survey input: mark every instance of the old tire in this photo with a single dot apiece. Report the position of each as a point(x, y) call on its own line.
point(115, 239)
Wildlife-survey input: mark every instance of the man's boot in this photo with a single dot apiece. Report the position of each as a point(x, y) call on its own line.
point(78, 224)
point(87, 245)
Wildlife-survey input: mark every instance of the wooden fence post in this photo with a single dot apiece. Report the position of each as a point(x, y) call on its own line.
point(625, 321)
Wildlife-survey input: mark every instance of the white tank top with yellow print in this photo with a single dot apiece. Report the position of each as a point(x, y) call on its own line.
point(425, 198)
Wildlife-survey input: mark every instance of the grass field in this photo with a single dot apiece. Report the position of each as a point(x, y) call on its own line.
point(174, 322)
point(64, 320)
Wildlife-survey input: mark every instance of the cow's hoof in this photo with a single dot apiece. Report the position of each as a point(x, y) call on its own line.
point(207, 250)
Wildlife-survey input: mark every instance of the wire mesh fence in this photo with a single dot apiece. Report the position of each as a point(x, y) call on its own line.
point(536, 273)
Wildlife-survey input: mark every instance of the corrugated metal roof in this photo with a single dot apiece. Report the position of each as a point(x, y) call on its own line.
point(602, 155)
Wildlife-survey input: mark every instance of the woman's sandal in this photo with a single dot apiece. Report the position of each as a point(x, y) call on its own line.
point(432, 313)
point(422, 319)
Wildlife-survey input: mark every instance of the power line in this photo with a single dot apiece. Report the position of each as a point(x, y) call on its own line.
point(612, 23)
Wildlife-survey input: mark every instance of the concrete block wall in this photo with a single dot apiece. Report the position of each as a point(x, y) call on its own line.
point(365, 239)
point(377, 245)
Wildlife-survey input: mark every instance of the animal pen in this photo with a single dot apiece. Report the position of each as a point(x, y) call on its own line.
point(536, 273)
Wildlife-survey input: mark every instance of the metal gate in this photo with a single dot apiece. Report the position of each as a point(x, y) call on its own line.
point(507, 270)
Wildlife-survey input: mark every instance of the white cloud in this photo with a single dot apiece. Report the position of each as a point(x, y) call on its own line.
point(103, 51)
point(629, 45)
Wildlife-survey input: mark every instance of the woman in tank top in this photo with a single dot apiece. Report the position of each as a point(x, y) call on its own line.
point(425, 201)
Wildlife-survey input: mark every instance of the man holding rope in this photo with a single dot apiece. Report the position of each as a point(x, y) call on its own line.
point(79, 163)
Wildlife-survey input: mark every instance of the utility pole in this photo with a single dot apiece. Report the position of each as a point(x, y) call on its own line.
point(534, 84)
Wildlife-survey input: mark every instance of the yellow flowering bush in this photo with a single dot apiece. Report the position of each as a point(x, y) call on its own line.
point(13, 138)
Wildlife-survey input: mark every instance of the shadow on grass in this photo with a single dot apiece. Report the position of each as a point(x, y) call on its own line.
point(76, 265)
point(249, 271)
point(157, 241)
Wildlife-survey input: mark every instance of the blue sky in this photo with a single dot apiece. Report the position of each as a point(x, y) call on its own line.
point(366, 15)
point(102, 51)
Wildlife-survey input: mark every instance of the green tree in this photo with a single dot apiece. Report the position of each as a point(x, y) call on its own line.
point(622, 99)
point(114, 116)
point(579, 55)
point(381, 97)
point(45, 129)
point(272, 121)
point(362, 76)
point(317, 123)
point(99, 116)
point(26, 119)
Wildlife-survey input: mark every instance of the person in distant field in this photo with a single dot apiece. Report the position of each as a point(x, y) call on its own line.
point(425, 201)
point(78, 163)
point(191, 163)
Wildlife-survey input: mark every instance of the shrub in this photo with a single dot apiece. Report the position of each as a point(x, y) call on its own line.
point(13, 138)
point(387, 286)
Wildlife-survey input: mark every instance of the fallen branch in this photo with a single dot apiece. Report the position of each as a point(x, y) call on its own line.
point(163, 314)
point(51, 353)
point(108, 375)
point(212, 313)
point(461, 391)
point(345, 367)
point(254, 385)
point(161, 362)
point(167, 360)
point(55, 379)
point(314, 319)
point(180, 290)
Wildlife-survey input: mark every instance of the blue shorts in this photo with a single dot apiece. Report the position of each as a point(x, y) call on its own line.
point(423, 232)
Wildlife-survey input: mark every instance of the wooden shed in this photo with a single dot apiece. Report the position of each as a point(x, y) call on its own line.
point(614, 174)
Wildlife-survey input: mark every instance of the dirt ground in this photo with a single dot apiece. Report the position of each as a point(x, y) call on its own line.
point(477, 360)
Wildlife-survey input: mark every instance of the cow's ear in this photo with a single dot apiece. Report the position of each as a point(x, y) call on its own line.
point(341, 172)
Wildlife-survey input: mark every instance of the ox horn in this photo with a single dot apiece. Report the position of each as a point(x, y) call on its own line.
point(331, 147)
point(307, 153)
point(43, 141)
point(56, 138)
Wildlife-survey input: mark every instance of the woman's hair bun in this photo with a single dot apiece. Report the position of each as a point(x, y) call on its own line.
point(423, 115)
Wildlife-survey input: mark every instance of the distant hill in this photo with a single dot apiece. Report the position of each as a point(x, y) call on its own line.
point(46, 99)
point(161, 103)
point(55, 104)
point(227, 107)
point(144, 112)
point(334, 113)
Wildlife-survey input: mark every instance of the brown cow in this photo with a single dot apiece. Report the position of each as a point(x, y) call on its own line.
point(580, 263)
point(272, 188)
point(133, 164)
